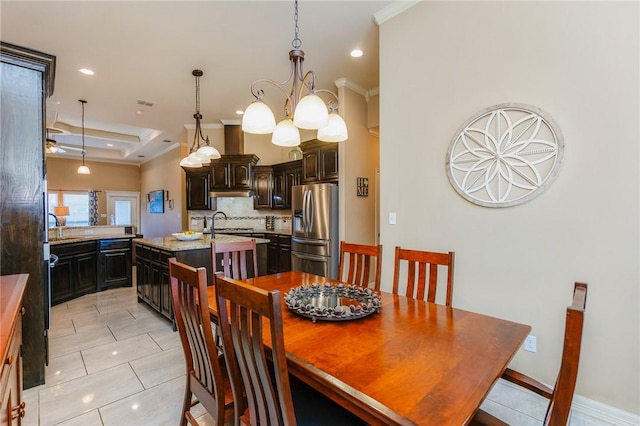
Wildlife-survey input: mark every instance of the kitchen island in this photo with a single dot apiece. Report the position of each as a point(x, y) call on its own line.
point(152, 266)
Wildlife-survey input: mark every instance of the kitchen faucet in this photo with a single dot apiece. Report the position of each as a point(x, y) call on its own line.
point(55, 217)
point(57, 226)
point(213, 222)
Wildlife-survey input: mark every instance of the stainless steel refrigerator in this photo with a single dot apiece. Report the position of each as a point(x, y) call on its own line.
point(315, 247)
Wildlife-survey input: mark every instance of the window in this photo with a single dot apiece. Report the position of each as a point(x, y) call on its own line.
point(78, 203)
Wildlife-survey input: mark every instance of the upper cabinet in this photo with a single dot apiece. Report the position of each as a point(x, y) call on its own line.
point(262, 187)
point(198, 188)
point(285, 175)
point(319, 161)
point(233, 172)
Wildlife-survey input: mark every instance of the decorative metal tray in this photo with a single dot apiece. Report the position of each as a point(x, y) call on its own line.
point(328, 302)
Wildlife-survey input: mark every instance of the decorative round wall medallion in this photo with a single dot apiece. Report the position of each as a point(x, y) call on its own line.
point(505, 155)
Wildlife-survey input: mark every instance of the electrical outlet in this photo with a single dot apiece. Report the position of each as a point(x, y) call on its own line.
point(88, 232)
point(530, 344)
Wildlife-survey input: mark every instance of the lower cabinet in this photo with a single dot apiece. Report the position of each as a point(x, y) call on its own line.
point(278, 253)
point(75, 272)
point(153, 284)
point(114, 263)
point(152, 274)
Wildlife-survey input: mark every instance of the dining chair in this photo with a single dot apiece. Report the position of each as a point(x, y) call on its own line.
point(239, 259)
point(206, 372)
point(356, 260)
point(423, 262)
point(561, 396)
point(248, 310)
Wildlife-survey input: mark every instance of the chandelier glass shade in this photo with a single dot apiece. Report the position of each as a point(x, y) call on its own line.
point(286, 134)
point(83, 169)
point(201, 152)
point(303, 107)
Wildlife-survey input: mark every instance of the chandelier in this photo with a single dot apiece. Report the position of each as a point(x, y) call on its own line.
point(83, 170)
point(201, 152)
point(301, 111)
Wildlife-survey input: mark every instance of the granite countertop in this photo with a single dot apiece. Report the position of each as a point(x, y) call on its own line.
point(85, 238)
point(172, 244)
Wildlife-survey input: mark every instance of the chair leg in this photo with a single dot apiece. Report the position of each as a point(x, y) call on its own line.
point(186, 404)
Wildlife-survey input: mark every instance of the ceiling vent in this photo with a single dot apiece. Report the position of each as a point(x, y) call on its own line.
point(145, 103)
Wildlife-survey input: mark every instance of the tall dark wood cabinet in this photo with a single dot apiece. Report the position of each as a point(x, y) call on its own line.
point(26, 80)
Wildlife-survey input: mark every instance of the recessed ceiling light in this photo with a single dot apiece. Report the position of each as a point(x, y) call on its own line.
point(356, 53)
point(86, 71)
point(139, 112)
point(239, 112)
point(109, 144)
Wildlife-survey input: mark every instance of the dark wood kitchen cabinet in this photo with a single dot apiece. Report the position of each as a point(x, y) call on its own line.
point(114, 263)
point(26, 81)
point(262, 187)
point(233, 172)
point(198, 188)
point(285, 176)
point(75, 272)
point(153, 286)
point(152, 273)
point(278, 253)
point(319, 161)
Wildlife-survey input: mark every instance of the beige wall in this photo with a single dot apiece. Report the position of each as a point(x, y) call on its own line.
point(579, 61)
point(62, 175)
point(359, 156)
point(163, 172)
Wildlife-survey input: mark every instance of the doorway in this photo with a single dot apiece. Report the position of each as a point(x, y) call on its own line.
point(123, 208)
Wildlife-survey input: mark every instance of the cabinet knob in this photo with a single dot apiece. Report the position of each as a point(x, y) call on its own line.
point(9, 360)
point(23, 310)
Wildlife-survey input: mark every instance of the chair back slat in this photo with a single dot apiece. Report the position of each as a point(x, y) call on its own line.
point(356, 264)
point(560, 404)
point(239, 259)
point(206, 374)
point(421, 261)
point(247, 309)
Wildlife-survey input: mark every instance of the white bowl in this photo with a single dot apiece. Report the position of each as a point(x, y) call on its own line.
point(187, 237)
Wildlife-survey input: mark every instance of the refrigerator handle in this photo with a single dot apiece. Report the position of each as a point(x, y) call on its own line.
point(304, 211)
point(310, 213)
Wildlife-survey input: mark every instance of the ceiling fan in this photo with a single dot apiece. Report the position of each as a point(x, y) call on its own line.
point(52, 147)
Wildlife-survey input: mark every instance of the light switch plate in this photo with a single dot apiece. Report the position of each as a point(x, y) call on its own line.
point(392, 218)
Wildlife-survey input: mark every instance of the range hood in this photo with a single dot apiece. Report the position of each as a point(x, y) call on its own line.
point(234, 150)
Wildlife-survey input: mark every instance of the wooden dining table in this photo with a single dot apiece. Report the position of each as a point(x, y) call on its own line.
point(413, 362)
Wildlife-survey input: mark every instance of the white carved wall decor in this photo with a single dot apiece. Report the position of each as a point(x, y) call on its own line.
point(505, 155)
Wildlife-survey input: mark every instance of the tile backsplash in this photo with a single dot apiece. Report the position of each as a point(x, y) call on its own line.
point(240, 214)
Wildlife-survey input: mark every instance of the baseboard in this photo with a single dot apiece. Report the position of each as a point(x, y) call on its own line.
point(602, 413)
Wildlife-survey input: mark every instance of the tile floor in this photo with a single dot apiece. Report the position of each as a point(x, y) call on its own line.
point(115, 361)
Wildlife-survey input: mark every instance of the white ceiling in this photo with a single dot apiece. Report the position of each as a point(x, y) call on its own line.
point(146, 50)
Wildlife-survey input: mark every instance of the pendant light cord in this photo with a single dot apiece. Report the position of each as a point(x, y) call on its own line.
point(83, 102)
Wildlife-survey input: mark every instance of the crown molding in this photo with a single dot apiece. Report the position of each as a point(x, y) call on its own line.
point(395, 8)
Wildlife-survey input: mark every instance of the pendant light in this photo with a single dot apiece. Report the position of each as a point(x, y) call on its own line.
point(199, 154)
point(301, 112)
point(83, 170)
